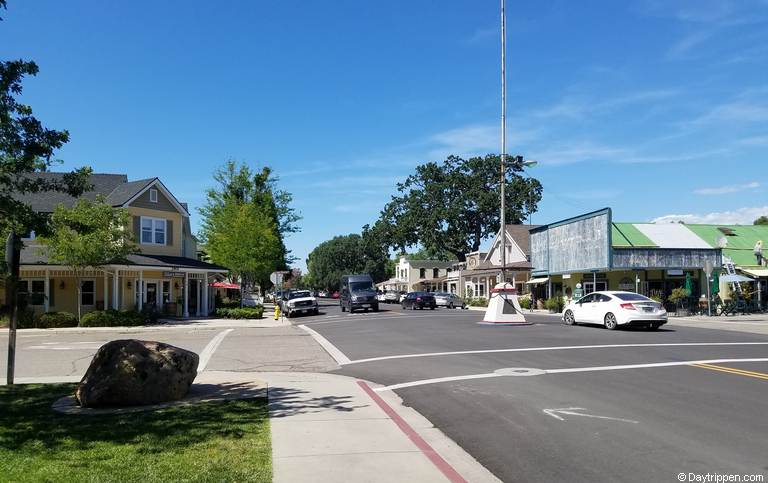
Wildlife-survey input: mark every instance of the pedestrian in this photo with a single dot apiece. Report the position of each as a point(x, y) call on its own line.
point(759, 252)
point(533, 300)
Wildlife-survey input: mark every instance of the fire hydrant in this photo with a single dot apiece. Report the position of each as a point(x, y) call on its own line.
point(277, 311)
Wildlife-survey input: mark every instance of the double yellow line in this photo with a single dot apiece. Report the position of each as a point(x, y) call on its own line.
point(733, 370)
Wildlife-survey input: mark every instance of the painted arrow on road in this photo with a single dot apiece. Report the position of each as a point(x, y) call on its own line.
point(555, 413)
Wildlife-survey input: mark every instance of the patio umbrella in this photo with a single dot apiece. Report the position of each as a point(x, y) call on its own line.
point(715, 283)
point(688, 283)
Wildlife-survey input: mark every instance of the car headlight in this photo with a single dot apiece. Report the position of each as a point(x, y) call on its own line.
point(291, 303)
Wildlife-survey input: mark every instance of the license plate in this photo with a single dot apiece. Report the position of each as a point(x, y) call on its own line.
point(365, 305)
point(648, 309)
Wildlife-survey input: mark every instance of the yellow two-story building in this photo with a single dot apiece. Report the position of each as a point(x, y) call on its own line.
point(165, 274)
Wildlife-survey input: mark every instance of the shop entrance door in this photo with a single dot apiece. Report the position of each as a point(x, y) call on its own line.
point(598, 286)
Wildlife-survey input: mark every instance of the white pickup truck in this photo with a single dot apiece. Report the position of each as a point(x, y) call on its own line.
point(299, 301)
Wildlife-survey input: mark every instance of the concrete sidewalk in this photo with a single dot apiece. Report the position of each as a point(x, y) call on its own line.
point(751, 323)
point(327, 427)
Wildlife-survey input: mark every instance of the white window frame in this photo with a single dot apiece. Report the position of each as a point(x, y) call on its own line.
point(154, 230)
point(153, 195)
point(82, 292)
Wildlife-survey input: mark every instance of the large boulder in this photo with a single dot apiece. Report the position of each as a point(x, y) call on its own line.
point(136, 372)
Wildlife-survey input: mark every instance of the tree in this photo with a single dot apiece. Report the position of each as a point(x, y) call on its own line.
point(763, 220)
point(88, 236)
point(452, 207)
point(27, 147)
point(238, 188)
point(244, 238)
point(343, 255)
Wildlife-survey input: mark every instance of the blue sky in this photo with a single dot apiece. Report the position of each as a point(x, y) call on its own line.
point(654, 108)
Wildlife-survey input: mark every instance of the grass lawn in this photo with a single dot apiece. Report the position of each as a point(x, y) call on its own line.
point(216, 441)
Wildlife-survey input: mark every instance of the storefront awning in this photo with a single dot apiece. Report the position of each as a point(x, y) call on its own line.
point(225, 285)
point(536, 281)
point(735, 278)
point(757, 272)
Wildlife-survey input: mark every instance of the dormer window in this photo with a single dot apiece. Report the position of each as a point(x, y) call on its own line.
point(153, 195)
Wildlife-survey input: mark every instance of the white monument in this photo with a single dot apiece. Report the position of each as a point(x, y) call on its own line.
point(504, 308)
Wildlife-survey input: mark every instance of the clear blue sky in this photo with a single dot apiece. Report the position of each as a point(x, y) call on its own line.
point(652, 107)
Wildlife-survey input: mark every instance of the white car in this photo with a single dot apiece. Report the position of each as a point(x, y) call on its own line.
point(299, 301)
point(613, 309)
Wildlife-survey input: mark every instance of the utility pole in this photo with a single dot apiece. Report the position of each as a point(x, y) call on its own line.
point(12, 258)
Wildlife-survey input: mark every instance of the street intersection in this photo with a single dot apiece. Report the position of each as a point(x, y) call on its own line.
point(533, 403)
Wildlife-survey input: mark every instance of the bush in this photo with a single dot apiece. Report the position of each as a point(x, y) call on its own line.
point(525, 302)
point(52, 320)
point(240, 313)
point(26, 318)
point(555, 304)
point(113, 318)
point(478, 302)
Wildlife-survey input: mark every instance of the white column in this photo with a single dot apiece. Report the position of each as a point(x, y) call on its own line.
point(205, 295)
point(199, 289)
point(140, 289)
point(47, 301)
point(106, 290)
point(185, 314)
point(115, 290)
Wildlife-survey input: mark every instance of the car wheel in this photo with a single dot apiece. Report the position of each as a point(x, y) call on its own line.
point(610, 321)
point(316, 311)
point(413, 307)
point(432, 308)
point(375, 308)
point(450, 305)
point(568, 318)
point(402, 306)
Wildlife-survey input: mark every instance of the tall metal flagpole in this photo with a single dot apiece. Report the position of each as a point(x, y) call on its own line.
point(503, 230)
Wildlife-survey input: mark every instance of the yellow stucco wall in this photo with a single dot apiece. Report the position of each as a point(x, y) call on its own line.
point(175, 248)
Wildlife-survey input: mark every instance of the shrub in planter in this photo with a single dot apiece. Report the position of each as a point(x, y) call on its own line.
point(51, 320)
point(555, 304)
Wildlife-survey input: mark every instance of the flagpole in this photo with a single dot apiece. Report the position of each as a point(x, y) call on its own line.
point(503, 230)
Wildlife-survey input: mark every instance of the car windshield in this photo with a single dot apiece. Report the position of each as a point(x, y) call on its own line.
point(632, 297)
point(442, 294)
point(300, 294)
point(357, 286)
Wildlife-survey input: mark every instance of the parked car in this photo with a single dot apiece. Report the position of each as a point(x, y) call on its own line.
point(392, 297)
point(613, 309)
point(450, 300)
point(381, 296)
point(357, 292)
point(299, 301)
point(402, 296)
point(419, 300)
point(323, 294)
point(335, 295)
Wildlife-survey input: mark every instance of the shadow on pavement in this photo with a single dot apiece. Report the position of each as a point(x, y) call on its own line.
point(285, 402)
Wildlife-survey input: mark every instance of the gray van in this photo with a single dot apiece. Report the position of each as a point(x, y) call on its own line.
point(358, 292)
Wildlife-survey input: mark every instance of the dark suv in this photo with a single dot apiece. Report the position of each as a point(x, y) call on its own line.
point(419, 300)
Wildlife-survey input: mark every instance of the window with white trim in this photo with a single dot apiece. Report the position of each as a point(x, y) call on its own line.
point(152, 231)
point(153, 195)
point(31, 292)
point(87, 292)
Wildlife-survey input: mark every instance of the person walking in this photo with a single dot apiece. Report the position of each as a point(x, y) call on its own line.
point(759, 252)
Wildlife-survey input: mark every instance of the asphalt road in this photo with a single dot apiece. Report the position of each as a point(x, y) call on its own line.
point(576, 423)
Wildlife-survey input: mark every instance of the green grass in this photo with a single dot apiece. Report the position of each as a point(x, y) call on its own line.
point(216, 441)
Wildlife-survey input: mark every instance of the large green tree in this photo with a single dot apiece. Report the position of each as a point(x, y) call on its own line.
point(244, 192)
point(343, 255)
point(452, 207)
point(88, 236)
point(26, 148)
point(763, 220)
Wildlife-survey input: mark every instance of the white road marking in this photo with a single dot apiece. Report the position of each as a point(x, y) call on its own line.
point(332, 350)
point(487, 375)
point(554, 348)
point(214, 344)
point(572, 412)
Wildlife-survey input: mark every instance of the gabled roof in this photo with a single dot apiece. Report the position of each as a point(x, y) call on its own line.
point(115, 188)
point(124, 192)
point(47, 201)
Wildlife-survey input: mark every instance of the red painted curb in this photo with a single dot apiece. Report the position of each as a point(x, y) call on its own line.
point(406, 428)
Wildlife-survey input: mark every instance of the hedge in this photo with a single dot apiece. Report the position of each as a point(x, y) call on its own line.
point(112, 318)
point(52, 320)
point(240, 313)
point(478, 302)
